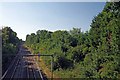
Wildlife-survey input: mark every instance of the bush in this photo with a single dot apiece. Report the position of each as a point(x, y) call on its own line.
point(64, 63)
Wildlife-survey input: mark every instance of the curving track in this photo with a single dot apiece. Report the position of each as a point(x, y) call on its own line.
point(23, 67)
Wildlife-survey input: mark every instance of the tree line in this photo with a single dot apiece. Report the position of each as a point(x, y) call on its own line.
point(91, 54)
point(10, 45)
point(95, 52)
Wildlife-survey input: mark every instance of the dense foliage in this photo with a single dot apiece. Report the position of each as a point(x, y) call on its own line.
point(93, 54)
point(10, 43)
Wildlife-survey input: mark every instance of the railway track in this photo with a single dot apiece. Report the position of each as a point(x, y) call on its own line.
point(23, 67)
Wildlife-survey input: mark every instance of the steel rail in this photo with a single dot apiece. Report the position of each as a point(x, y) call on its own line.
point(16, 65)
point(27, 70)
point(9, 67)
point(39, 70)
point(21, 64)
point(34, 72)
point(19, 61)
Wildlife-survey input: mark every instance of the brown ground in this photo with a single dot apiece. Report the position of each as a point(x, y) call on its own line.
point(45, 69)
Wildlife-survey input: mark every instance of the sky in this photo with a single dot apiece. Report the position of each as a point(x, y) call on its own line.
point(28, 17)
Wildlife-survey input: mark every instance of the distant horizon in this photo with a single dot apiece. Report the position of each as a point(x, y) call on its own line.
point(28, 17)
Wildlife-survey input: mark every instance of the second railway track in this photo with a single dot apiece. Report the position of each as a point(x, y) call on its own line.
point(23, 67)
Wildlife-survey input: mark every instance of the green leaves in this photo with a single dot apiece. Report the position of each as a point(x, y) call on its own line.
point(95, 52)
point(10, 43)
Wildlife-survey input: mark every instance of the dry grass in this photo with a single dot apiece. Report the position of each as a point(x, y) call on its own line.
point(44, 68)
